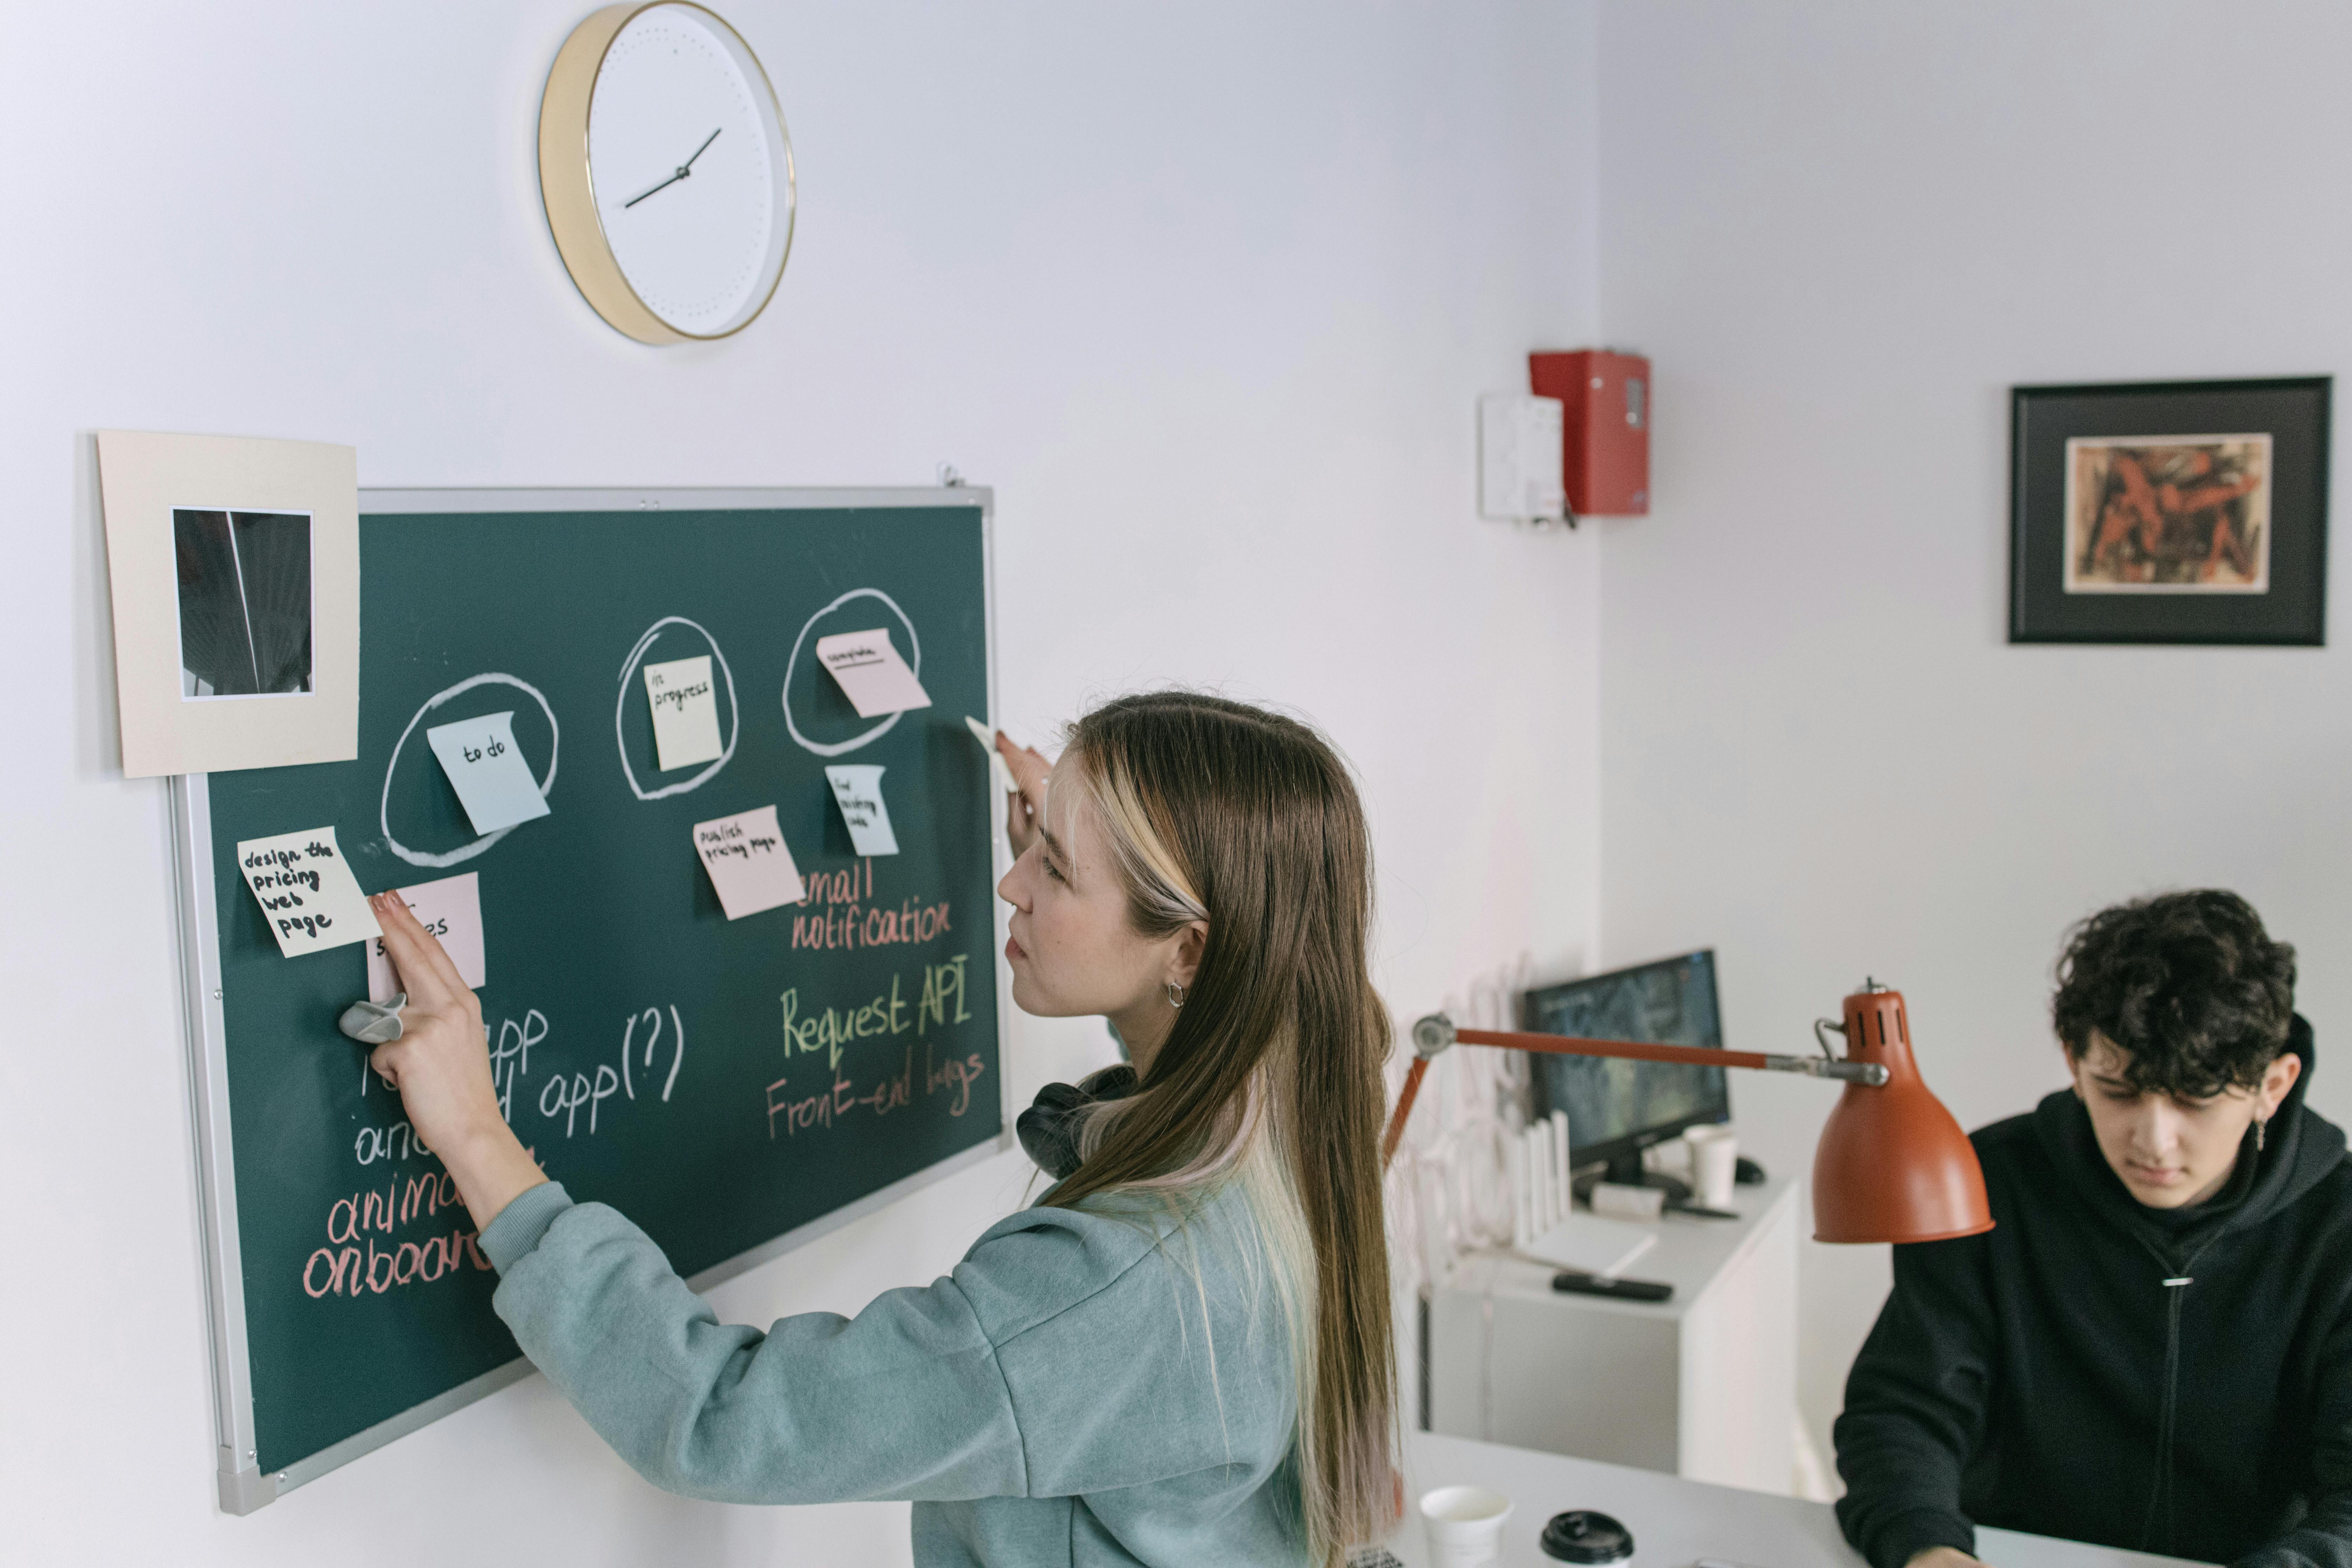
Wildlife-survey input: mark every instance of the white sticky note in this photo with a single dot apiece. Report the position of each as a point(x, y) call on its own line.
point(872, 675)
point(488, 771)
point(996, 768)
point(307, 889)
point(451, 908)
point(686, 711)
point(750, 867)
point(858, 792)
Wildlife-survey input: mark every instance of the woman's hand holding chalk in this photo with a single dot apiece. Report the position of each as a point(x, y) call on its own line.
point(1023, 772)
point(1021, 808)
point(441, 1067)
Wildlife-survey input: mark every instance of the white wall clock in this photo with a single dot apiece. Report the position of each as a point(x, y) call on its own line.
point(665, 172)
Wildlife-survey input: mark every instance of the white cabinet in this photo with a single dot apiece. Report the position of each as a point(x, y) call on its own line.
point(1703, 1385)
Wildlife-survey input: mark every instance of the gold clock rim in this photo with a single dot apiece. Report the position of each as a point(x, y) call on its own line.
point(567, 185)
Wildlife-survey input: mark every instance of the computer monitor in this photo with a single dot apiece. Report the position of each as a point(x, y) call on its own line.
point(1617, 1109)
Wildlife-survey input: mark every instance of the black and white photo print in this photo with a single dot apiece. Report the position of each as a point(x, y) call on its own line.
point(246, 603)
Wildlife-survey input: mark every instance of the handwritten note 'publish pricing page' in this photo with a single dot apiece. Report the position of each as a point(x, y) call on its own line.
point(872, 675)
point(451, 908)
point(858, 790)
point(307, 889)
point(750, 865)
point(488, 771)
point(686, 712)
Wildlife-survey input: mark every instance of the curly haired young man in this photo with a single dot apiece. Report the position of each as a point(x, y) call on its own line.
point(2152, 1348)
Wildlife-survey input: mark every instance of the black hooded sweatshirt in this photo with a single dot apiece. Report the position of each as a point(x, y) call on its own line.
point(2177, 1382)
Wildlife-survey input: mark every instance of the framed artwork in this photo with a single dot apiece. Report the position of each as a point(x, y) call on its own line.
point(2178, 511)
point(234, 565)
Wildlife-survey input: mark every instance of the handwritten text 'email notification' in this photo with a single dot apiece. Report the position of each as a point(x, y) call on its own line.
point(750, 867)
point(488, 771)
point(305, 890)
point(686, 712)
point(872, 675)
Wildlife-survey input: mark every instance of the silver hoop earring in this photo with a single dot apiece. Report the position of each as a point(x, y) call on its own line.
point(1175, 995)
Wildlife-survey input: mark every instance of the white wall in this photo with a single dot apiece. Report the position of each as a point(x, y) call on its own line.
point(1843, 230)
point(1208, 294)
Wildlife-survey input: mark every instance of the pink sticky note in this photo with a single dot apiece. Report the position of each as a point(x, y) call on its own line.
point(750, 864)
point(451, 908)
point(872, 676)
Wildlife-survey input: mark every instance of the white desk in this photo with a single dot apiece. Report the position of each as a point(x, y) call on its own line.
point(1704, 1385)
point(1675, 1522)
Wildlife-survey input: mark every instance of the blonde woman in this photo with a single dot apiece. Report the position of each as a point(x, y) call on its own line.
point(1181, 1355)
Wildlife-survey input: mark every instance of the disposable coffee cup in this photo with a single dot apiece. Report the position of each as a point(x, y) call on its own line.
point(1714, 1163)
point(1466, 1525)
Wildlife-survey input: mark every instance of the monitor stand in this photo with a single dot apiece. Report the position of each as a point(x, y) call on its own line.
point(1626, 1170)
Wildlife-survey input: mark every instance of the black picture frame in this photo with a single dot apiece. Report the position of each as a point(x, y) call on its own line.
point(2134, 574)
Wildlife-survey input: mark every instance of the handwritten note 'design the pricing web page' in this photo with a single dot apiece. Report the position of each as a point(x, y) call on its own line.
point(306, 889)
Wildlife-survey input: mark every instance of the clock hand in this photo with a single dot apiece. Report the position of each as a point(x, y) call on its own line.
point(684, 169)
point(641, 195)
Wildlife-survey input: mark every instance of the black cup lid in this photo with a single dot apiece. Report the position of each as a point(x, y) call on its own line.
point(1586, 1535)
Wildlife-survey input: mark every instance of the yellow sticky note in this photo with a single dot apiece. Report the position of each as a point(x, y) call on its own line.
point(686, 711)
point(306, 889)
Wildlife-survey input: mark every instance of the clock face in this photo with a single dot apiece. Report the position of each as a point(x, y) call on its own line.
point(690, 168)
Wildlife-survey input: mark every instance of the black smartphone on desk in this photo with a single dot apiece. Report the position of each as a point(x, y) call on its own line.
point(1569, 1282)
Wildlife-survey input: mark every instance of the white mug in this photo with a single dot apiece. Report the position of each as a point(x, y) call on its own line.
point(1715, 1162)
point(1466, 1525)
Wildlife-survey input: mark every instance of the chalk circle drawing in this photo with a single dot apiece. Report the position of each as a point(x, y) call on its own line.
point(621, 709)
point(834, 749)
point(464, 851)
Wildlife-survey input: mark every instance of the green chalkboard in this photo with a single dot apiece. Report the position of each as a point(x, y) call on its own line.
point(724, 1083)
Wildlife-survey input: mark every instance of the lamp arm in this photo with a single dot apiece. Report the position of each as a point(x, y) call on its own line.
point(1390, 1139)
point(1683, 1056)
point(1870, 1073)
point(1432, 1034)
point(1891, 1166)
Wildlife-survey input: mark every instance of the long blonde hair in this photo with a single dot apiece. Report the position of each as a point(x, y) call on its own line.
point(1225, 814)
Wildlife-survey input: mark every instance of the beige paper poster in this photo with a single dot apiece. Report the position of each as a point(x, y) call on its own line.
point(235, 565)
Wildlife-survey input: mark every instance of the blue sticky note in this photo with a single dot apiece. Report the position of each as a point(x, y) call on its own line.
point(487, 769)
point(859, 792)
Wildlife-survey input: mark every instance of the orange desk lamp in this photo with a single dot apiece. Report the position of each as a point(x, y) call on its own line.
point(1892, 1164)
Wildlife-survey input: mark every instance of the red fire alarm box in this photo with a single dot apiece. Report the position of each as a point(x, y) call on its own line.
point(1605, 445)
